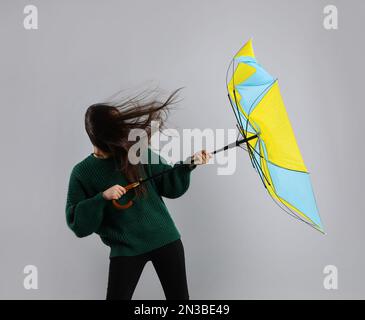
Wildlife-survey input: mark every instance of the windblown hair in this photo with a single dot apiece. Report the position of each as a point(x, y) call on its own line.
point(108, 126)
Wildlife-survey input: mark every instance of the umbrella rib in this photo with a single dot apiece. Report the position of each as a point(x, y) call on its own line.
point(291, 213)
point(239, 121)
point(261, 172)
point(265, 90)
point(253, 159)
point(249, 148)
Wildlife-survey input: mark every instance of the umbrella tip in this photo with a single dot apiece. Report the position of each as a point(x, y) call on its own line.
point(320, 229)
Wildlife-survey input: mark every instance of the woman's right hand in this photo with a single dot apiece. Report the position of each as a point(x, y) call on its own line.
point(114, 192)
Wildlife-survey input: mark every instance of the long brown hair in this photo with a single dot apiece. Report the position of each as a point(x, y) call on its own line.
point(108, 126)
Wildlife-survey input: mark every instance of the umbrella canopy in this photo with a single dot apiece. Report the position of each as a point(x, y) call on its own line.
point(259, 109)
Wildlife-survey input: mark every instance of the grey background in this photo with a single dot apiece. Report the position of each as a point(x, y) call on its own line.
point(238, 244)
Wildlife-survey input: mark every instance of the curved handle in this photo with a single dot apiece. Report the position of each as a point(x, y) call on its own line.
point(119, 206)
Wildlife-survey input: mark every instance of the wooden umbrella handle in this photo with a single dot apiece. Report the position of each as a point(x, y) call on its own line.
point(119, 206)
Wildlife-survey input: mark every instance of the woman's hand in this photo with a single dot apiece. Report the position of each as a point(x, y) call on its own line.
point(201, 157)
point(114, 192)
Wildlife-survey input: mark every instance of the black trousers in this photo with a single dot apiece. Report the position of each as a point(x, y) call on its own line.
point(169, 263)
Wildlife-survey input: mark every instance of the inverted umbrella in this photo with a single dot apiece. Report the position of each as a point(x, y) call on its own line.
point(267, 133)
point(260, 112)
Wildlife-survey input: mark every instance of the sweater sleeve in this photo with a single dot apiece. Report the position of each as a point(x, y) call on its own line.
point(83, 214)
point(174, 183)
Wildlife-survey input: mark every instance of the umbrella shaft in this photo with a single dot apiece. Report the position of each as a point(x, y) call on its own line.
point(228, 146)
point(234, 144)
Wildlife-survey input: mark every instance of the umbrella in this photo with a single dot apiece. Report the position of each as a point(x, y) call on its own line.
point(268, 137)
point(260, 112)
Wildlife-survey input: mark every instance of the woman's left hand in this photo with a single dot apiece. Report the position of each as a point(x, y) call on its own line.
point(201, 157)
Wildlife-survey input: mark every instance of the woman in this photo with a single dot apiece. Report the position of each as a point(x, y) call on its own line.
point(144, 231)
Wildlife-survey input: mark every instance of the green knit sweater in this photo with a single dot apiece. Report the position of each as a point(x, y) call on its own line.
point(145, 226)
